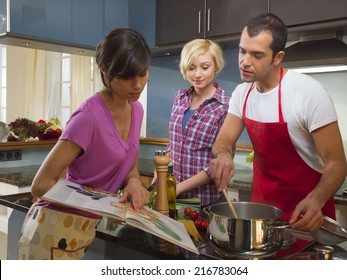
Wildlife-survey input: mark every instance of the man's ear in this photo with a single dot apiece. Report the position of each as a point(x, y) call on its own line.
point(279, 57)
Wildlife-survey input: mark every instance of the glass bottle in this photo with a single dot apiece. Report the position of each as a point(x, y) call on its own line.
point(171, 192)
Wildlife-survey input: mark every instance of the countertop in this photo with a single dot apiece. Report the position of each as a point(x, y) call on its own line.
point(116, 241)
point(242, 180)
point(23, 175)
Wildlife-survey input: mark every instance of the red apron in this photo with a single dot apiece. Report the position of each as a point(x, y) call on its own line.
point(280, 176)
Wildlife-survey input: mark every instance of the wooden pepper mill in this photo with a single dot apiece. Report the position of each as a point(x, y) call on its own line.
point(161, 204)
point(161, 161)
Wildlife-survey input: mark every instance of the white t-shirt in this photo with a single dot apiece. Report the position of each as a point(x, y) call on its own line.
point(306, 106)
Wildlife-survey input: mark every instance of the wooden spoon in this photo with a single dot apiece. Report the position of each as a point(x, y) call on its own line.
point(230, 204)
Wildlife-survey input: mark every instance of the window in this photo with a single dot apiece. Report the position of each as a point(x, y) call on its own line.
point(3, 83)
point(65, 88)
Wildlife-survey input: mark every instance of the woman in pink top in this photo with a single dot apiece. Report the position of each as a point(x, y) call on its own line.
point(99, 148)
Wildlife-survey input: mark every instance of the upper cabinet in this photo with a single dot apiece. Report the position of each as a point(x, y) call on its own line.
point(225, 17)
point(71, 22)
point(297, 12)
point(181, 20)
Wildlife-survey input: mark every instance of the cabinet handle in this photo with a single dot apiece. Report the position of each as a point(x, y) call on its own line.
point(208, 20)
point(199, 25)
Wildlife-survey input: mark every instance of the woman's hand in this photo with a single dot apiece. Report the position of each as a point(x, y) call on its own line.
point(138, 194)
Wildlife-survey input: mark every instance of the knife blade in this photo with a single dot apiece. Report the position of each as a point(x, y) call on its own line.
point(152, 186)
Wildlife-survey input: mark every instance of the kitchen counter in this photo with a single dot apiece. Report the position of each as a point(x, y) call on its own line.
point(18, 176)
point(115, 241)
point(242, 180)
point(23, 175)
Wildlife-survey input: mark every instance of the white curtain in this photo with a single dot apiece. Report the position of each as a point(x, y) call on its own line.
point(42, 89)
point(80, 80)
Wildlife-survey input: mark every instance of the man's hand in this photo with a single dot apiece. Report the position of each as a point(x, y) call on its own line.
point(221, 170)
point(310, 213)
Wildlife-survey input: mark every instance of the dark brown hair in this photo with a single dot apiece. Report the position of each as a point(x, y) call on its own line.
point(124, 53)
point(272, 24)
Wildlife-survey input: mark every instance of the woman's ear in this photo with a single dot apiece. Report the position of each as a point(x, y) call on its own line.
point(103, 70)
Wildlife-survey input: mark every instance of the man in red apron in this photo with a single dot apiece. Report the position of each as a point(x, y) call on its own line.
point(299, 161)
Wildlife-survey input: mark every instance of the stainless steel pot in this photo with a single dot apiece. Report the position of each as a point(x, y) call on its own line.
point(258, 229)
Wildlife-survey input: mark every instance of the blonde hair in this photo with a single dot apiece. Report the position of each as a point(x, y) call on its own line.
point(196, 47)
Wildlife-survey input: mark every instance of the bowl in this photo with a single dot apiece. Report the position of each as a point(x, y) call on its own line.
point(4, 131)
point(52, 135)
point(330, 233)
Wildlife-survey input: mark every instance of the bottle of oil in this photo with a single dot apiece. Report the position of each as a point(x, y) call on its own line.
point(171, 192)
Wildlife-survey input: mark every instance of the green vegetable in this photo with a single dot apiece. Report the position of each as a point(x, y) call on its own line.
point(55, 122)
point(249, 158)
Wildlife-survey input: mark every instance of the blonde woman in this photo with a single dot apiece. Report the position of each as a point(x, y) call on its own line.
point(197, 115)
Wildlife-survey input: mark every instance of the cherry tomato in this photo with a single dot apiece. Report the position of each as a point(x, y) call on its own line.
point(197, 223)
point(187, 211)
point(194, 215)
point(49, 123)
point(204, 225)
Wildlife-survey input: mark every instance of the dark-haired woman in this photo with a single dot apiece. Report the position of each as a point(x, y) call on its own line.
point(99, 148)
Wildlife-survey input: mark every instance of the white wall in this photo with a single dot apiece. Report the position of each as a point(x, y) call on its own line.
point(336, 84)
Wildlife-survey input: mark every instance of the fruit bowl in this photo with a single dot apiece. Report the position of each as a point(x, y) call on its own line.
point(52, 135)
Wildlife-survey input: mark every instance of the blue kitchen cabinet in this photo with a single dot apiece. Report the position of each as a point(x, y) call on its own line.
point(70, 22)
point(41, 19)
point(87, 21)
point(115, 14)
point(58, 20)
point(142, 18)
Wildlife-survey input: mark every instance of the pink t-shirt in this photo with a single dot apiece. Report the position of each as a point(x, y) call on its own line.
point(106, 159)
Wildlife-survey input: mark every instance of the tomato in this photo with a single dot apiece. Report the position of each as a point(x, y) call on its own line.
point(41, 122)
point(204, 225)
point(59, 131)
point(187, 211)
point(49, 123)
point(197, 223)
point(194, 215)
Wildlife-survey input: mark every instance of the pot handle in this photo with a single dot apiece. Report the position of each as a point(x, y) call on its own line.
point(207, 212)
point(281, 225)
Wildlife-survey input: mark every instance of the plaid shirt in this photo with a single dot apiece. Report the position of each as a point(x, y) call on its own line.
point(191, 152)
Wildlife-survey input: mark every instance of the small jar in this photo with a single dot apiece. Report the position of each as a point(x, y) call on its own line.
point(324, 252)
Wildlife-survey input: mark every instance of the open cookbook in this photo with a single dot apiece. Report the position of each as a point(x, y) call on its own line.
point(106, 204)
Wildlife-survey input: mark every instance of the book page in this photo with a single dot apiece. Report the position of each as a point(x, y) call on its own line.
point(102, 203)
point(85, 198)
point(160, 225)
